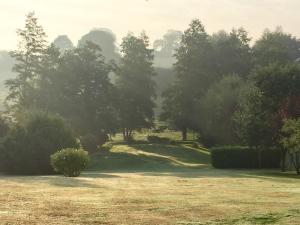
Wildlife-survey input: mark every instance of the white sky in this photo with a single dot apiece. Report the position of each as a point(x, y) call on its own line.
point(76, 17)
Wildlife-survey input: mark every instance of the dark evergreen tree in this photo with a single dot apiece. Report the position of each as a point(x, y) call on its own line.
point(136, 85)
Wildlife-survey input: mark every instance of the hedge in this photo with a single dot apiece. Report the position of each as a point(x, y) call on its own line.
point(157, 139)
point(245, 157)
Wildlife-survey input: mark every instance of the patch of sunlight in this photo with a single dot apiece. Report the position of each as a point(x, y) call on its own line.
point(172, 159)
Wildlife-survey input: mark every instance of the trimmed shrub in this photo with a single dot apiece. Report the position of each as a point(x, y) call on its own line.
point(27, 149)
point(70, 162)
point(89, 143)
point(244, 157)
point(156, 139)
point(271, 158)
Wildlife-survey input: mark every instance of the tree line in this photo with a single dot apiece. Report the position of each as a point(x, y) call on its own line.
point(229, 90)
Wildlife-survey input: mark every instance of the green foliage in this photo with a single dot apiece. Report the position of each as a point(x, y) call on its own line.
point(27, 149)
point(165, 48)
point(4, 127)
point(105, 39)
point(244, 157)
point(28, 56)
point(89, 143)
point(291, 140)
point(216, 112)
point(160, 129)
point(157, 139)
point(63, 43)
point(79, 89)
point(291, 132)
point(253, 119)
point(70, 162)
point(232, 52)
point(135, 85)
point(193, 77)
point(276, 47)
point(203, 60)
point(266, 102)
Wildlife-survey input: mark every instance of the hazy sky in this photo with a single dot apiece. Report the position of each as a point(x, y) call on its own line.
point(76, 17)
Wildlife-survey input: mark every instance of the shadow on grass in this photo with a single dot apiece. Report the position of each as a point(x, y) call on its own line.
point(273, 175)
point(180, 152)
point(59, 180)
point(149, 157)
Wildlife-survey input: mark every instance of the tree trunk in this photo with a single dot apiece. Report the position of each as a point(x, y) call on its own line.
point(259, 158)
point(127, 134)
point(297, 162)
point(283, 159)
point(124, 135)
point(184, 134)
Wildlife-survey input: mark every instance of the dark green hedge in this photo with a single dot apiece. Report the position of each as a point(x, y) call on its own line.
point(157, 139)
point(244, 157)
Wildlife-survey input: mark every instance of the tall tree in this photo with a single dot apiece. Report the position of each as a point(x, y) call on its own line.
point(194, 75)
point(291, 141)
point(276, 47)
point(273, 99)
point(232, 52)
point(167, 46)
point(216, 112)
point(79, 89)
point(63, 43)
point(105, 39)
point(136, 85)
point(28, 56)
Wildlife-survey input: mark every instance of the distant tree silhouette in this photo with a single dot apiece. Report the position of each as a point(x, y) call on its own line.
point(63, 43)
point(105, 39)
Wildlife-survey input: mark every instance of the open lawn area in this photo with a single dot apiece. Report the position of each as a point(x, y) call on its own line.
point(166, 185)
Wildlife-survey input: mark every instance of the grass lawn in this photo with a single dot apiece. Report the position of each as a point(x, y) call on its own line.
point(152, 184)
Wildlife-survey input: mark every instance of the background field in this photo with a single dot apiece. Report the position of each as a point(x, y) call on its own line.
point(152, 184)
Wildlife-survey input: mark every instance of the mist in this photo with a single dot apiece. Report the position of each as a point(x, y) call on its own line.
point(150, 112)
point(76, 17)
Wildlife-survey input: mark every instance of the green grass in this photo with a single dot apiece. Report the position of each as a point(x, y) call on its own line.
point(200, 196)
point(152, 184)
point(171, 134)
point(150, 157)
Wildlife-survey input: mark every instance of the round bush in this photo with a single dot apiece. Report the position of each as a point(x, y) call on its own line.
point(70, 162)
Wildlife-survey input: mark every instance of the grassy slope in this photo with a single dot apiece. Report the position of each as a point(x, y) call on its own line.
point(150, 157)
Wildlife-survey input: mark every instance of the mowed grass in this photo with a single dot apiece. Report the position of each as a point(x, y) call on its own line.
point(152, 184)
point(150, 157)
point(171, 134)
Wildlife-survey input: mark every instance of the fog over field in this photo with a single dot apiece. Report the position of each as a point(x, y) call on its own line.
point(150, 112)
point(76, 17)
